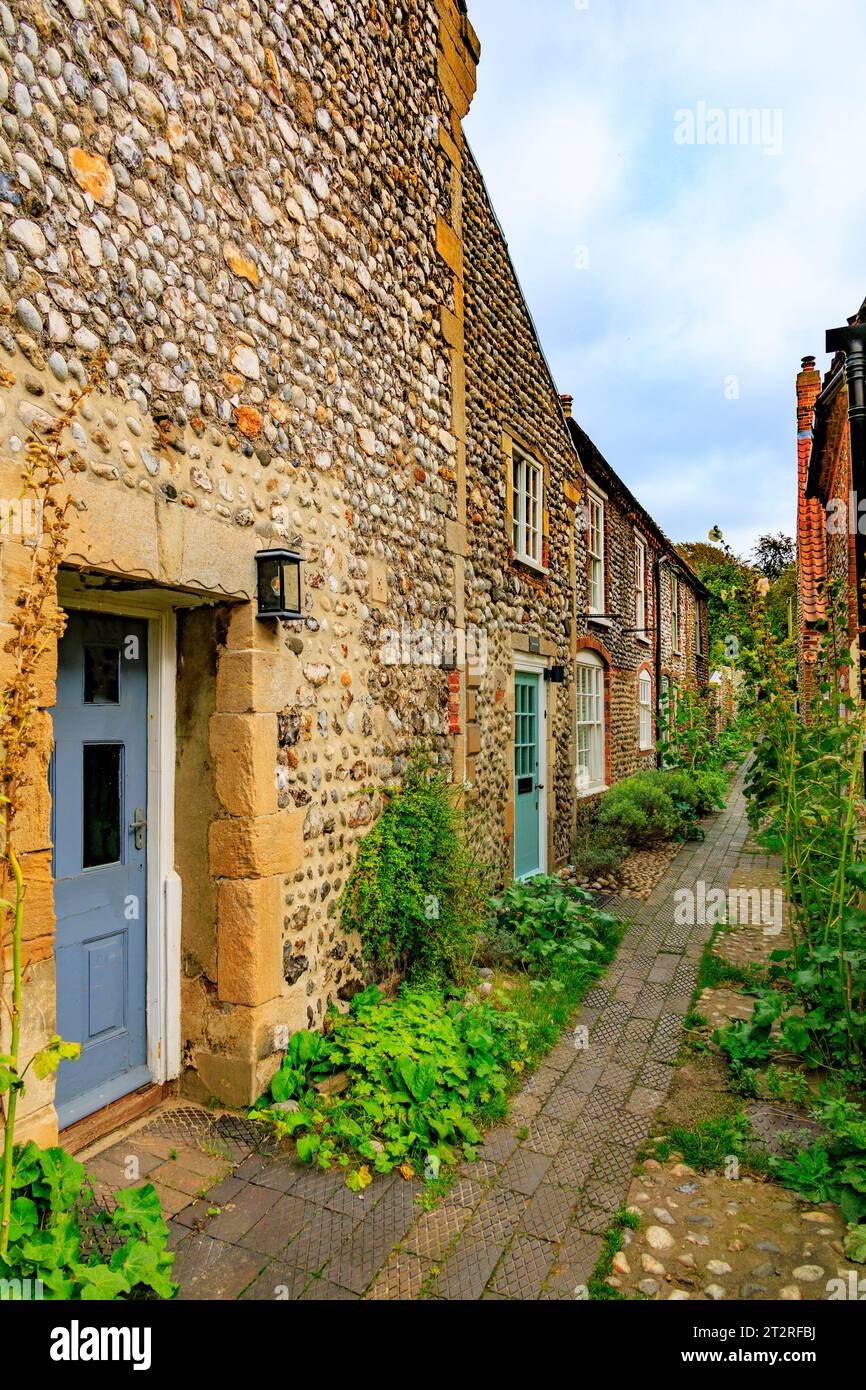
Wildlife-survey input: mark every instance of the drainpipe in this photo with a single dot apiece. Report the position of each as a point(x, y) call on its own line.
point(852, 341)
point(659, 561)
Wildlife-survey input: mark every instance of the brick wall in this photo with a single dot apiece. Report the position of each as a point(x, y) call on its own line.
point(811, 533)
point(826, 521)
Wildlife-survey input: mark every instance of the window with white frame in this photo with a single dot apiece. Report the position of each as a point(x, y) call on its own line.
point(645, 709)
point(640, 586)
point(526, 490)
point(595, 505)
point(675, 613)
point(590, 759)
point(699, 649)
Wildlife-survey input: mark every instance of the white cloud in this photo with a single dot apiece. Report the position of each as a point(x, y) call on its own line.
point(704, 262)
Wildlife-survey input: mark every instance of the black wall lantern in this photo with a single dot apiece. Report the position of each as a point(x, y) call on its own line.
point(279, 573)
point(555, 674)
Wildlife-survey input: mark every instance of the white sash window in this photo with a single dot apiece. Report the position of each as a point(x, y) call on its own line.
point(590, 760)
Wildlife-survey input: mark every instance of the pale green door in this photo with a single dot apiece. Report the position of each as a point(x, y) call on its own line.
point(527, 733)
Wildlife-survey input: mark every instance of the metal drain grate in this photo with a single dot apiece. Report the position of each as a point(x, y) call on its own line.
point(234, 1135)
point(184, 1123)
point(783, 1131)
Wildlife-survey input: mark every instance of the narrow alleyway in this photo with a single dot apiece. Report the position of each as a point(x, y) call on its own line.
point(525, 1221)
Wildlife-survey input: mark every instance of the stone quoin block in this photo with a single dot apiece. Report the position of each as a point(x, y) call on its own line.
point(249, 940)
point(253, 679)
point(244, 752)
point(256, 847)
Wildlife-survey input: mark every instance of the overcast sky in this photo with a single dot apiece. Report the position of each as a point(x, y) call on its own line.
point(677, 265)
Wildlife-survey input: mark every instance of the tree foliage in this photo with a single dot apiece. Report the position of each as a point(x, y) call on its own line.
point(773, 555)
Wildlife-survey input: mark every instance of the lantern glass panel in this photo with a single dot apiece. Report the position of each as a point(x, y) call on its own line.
point(292, 586)
point(269, 586)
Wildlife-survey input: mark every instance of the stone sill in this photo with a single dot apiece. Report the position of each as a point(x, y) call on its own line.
point(527, 563)
point(593, 791)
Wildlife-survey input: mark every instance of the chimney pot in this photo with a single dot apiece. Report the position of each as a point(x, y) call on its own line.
point(567, 404)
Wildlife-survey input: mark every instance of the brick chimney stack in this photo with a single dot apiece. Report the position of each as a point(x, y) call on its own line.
point(567, 405)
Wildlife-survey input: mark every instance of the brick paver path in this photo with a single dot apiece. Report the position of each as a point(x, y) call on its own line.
point(526, 1219)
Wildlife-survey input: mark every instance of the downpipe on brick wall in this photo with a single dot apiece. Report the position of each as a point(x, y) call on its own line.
point(852, 341)
point(657, 577)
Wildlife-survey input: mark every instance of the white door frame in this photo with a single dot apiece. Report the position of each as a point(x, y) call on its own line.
point(537, 665)
point(163, 880)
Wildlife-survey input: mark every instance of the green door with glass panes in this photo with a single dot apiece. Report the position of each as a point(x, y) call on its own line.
point(527, 792)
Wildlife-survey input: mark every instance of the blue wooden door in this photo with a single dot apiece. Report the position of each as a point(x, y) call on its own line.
point(527, 733)
point(99, 786)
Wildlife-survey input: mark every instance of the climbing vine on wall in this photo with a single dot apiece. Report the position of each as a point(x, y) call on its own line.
point(416, 891)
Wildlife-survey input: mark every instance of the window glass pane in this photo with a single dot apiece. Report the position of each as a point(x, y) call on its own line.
point(595, 585)
point(645, 700)
point(101, 675)
point(596, 554)
point(526, 487)
point(525, 750)
point(532, 527)
point(102, 811)
point(589, 688)
point(640, 580)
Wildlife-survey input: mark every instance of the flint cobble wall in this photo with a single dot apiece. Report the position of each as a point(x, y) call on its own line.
point(242, 207)
point(519, 609)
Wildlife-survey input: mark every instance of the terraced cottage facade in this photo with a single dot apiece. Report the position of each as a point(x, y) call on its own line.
point(258, 227)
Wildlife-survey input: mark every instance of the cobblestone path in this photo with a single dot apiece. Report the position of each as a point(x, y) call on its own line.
point(524, 1221)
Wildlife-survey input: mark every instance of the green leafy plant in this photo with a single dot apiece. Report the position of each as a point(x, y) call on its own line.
point(423, 1072)
point(614, 1241)
point(749, 1041)
point(855, 1244)
point(657, 804)
point(833, 1168)
point(539, 924)
point(715, 970)
point(687, 734)
point(710, 1143)
point(792, 1087)
point(639, 810)
point(701, 790)
point(743, 1079)
point(806, 803)
point(45, 1236)
point(415, 893)
point(595, 851)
